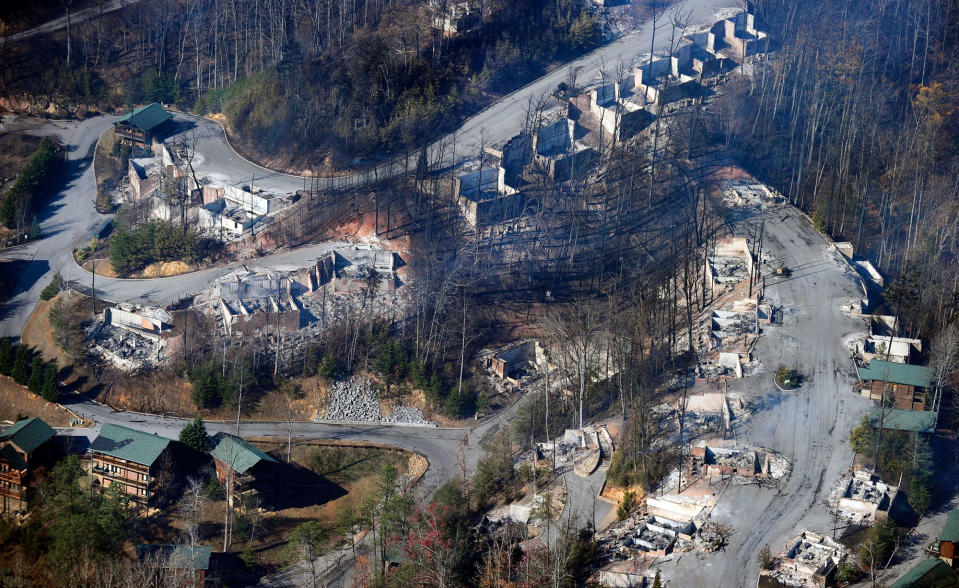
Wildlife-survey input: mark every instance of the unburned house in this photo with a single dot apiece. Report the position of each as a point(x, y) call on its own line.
point(949, 540)
point(178, 565)
point(929, 573)
point(900, 419)
point(129, 459)
point(141, 126)
point(240, 466)
point(21, 449)
point(905, 384)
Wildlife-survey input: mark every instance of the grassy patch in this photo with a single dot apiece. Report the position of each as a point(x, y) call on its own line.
point(346, 464)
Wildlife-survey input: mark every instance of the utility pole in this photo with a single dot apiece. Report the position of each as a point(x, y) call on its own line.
point(93, 284)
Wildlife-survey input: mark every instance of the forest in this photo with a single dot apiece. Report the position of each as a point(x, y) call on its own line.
point(857, 125)
point(340, 79)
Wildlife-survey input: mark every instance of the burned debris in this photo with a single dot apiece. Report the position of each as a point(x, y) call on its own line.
point(130, 337)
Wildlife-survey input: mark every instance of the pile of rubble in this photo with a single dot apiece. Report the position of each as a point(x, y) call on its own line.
point(129, 337)
point(356, 400)
point(862, 498)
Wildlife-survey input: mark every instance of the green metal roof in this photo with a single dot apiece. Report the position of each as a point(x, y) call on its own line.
point(237, 453)
point(129, 444)
point(929, 573)
point(899, 419)
point(147, 118)
point(176, 556)
point(13, 457)
point(950, 532)
point(898, 373)
point(29, 434)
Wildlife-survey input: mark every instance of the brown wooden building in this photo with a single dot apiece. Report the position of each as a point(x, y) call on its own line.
point(239, 466)
point(904, 384)
point(129, 458)
point(949, 539)
point(20, 446)
point(140, 126)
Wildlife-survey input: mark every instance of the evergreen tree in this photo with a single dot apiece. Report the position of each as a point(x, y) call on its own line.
point(6, 359)
point(21, 370)
point(657, 581)
point(194, 435)
point(51, 390)
point(36, 375)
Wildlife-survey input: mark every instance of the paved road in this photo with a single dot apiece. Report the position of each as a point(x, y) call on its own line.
point(61, 23)
point(810, 427)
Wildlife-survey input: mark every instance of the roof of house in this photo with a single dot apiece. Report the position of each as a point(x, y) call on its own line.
point(950, 532)
point(129, 444)
point(931, 573)
point(899, 419)
point(13, 457)
point(147, 118)
point(176, 556)
point(28, 434)
point(898, 373)
point(237, 453)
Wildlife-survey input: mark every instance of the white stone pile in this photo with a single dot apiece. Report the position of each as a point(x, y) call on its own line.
point(356, 400)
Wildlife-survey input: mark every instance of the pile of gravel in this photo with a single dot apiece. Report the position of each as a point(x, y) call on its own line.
point(356, 400)
point(406, 414)
point(353, 400)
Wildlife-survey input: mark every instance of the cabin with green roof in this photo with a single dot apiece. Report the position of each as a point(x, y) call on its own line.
point(140, 126)
point(129, 459)
point(180, 561)
point(240, 466)
point(905, 384)
point(21, 447)
point(929, 573)
point(949, 538)
point(897, 419)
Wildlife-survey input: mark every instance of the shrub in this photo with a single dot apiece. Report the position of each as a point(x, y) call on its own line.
point(765, 558)
point(51, 289)
point(627, 505)
point(786, 377)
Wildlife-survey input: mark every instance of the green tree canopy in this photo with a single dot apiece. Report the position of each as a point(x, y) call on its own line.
point(194, 435)
point(35, 383)
point(51, 389)
point(21, 369)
